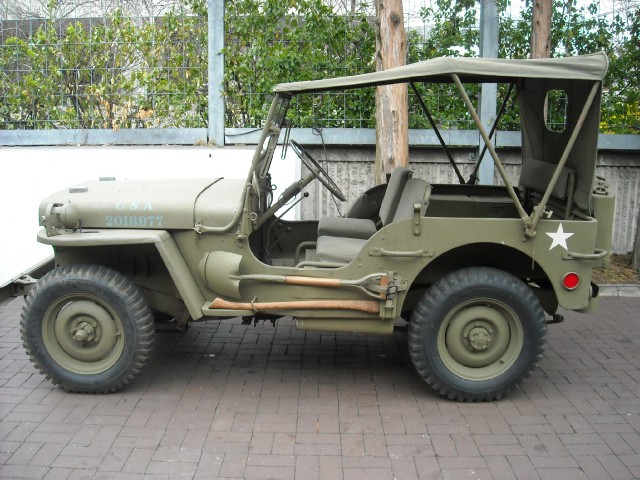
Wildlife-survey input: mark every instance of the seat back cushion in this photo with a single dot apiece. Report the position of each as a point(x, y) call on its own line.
point(537, 174)
point(363, 207)
point(397, 182)
point(413, 194)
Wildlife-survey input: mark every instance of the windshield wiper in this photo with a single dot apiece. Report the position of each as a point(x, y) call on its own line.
point(287, 135)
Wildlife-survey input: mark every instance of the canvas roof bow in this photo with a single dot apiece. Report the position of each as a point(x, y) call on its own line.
point(469, 69)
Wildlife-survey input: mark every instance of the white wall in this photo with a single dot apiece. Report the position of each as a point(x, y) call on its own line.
point(31, 173)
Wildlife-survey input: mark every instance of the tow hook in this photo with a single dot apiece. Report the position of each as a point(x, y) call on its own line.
point(556, 318)
point(22, 286)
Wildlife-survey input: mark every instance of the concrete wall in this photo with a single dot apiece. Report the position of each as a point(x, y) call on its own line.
point(352, 169)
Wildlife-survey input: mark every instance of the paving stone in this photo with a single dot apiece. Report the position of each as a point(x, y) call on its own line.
point(500, 468)
point(227, 401)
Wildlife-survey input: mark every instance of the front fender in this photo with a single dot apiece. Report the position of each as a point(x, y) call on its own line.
point(163, 241)
point(102, 237)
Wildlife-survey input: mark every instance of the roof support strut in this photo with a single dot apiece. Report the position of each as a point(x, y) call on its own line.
point(474, 176)
point(539, 209)
point(437, 132)
point(492, 151)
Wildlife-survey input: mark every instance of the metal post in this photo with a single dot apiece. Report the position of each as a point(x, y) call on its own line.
point(215, 129)
point(488, 91)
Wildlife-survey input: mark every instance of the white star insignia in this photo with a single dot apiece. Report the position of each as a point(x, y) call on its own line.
point(559, 238)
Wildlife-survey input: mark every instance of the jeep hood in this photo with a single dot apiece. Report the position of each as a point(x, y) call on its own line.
point(147, 204)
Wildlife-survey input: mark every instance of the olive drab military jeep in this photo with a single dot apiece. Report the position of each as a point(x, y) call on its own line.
point(477, 271)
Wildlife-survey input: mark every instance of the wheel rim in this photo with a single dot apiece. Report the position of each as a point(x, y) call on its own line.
point(82, 334)
point(480, 339)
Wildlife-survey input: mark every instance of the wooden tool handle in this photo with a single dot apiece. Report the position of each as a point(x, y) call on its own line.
point(357, 305)
point(312, 282)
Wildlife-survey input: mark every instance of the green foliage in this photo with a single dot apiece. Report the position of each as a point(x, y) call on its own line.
point(120, 73)
point(174, 77)
point(577, 29)
point(142, 73)
point(622, 101)
point(274, 41)
point(454, 31)
point(514, 33)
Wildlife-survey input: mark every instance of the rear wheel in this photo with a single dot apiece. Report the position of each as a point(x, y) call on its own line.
point(476, 334)
point(87, 328)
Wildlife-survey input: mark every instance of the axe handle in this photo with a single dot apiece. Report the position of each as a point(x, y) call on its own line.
point(312, 282)
point(357, 305)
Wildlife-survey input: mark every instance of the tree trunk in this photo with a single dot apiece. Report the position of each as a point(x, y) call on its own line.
point(392, 111)
point(541, 29)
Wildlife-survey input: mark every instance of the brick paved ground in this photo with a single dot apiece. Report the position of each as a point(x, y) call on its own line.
point(232, 401)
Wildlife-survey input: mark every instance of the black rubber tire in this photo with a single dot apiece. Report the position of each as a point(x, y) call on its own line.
point(109, 309)
point(466, 296)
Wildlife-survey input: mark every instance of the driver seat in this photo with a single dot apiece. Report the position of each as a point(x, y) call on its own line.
point(341, 250)
point(364, 228)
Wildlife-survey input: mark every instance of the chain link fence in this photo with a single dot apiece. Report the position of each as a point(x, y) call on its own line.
point(124, 71)
point(111, 73)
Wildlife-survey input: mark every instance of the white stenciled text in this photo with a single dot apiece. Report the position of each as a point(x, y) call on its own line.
point(140, 221)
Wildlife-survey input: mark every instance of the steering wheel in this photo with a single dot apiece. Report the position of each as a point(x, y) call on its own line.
point(317, 170)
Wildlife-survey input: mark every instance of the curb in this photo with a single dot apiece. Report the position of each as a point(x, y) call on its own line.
point(619, 290)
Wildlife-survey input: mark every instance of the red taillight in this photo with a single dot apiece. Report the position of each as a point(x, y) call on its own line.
point(571, 281)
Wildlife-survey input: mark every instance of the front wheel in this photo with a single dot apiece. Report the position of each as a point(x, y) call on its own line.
point(87, 328)
point(476, 334)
